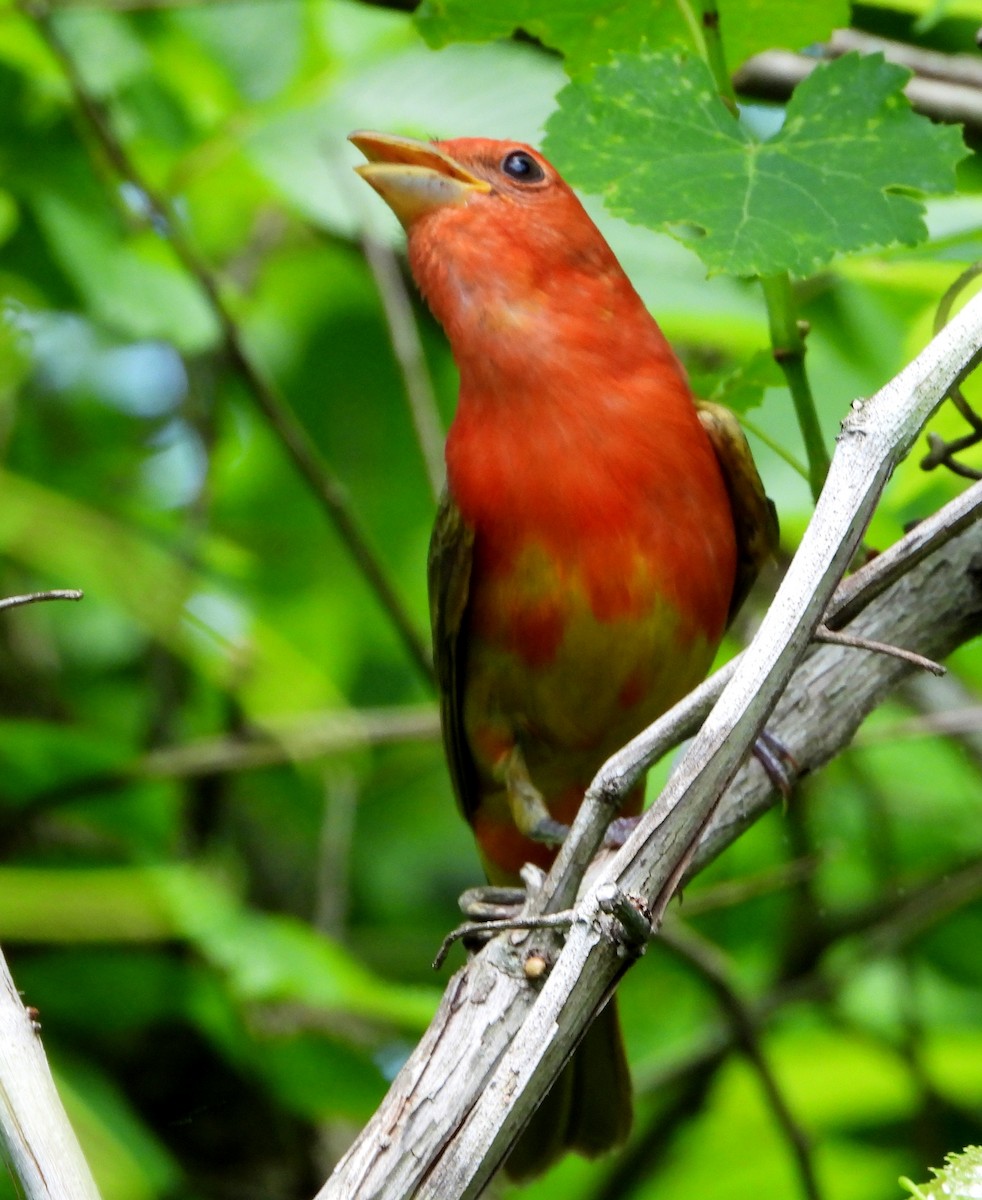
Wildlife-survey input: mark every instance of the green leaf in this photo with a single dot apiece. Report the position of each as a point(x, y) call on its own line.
point(959, 1179)
point(38, 755)
point(9, 215)
point(261, 48)
point(274, 959)
point(109, 53)
point(585, 31)
point(588, 32)
point(750, 26)
point(741, 388)
point(650, 134)
point(263, 959)
point(114, 564)
point(320, 1078)
point(133, 284)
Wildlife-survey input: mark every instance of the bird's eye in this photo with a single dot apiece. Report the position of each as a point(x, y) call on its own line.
point(522, 167)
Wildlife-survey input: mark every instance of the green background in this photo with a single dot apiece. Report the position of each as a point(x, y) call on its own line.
point(228, 848)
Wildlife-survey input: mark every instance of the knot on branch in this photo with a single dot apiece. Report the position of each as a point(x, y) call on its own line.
point(633, 916)
point(610, 793)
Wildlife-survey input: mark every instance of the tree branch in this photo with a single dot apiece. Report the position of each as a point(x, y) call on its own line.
point(497, 1041)
point(408, 350)
point(37, 1140)
point(37, 597)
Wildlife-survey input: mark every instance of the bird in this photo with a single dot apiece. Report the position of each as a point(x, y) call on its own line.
point(598, 529)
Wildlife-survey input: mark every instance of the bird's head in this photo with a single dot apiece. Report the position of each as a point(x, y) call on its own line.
point(496, 236)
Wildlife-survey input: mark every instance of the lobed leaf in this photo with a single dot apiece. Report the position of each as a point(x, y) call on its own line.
point(651, 135)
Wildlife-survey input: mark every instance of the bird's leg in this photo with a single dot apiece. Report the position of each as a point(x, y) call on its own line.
point(528, 809)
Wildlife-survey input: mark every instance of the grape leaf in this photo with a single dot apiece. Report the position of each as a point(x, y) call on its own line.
point(588, 32)
point(650, 134)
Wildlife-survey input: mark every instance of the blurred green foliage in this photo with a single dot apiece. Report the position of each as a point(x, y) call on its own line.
point(228, 848)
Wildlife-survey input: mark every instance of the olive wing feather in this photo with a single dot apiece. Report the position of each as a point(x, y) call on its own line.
point(754, 514)
point(449, 577)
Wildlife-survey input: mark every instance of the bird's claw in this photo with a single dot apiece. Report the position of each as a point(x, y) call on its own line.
point(490, 903)
point(490, 909)
point(780, 765)
point(618, 831)
point(549, 831)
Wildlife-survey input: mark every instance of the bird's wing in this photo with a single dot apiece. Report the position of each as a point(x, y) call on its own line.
point(449, 576)
point(754, 514)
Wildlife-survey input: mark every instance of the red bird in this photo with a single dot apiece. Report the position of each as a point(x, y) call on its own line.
point(598, 528)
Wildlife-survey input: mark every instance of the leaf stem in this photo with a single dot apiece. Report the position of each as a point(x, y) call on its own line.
point(773, 444)
point(788, 348)
point(712, 44)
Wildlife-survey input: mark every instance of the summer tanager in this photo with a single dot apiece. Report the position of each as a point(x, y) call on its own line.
point(597, 531)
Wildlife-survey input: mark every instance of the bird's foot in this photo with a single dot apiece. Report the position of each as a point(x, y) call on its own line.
point(490, 903)
point(491, 909)
point(619, 830)
point(548, 831)
point(780, 765)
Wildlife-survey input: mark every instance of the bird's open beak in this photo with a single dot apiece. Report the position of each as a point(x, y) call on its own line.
point(413, 177)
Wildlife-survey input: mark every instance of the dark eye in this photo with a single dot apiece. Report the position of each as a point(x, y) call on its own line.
point(522, 167)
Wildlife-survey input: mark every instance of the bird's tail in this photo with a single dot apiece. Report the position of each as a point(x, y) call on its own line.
point(587, 1109)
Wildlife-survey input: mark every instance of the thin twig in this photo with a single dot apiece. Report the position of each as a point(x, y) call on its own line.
point(734, 892)
point(332, 895)
point(836, 637)
point(861, 589)
point(37, 597)
point(294, 438)
point(788, 346)
point(311, 736)
point(408, 350)
point(710, 964)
